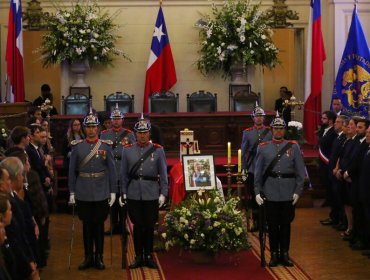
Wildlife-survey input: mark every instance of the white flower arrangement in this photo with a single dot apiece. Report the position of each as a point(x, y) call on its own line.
point(295, 124)
point(196, 224)
point(238, 32)
point(82, 32)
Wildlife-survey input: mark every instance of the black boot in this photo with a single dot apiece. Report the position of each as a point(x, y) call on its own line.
point(88, 246)
point(138, 262)
point(99, 262)
point(284, 259)
point(99, 245)
point(88, 262)
point(149, 262)
point(274, 261)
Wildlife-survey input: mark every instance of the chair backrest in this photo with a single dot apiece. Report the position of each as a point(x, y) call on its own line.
point(164, 102)
point(75, 104)
point(125, 102)
point(242, 98)
point(201, 101)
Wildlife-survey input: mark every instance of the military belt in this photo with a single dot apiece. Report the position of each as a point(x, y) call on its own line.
point(281, 175)
point(147, 178)
point(92, 174)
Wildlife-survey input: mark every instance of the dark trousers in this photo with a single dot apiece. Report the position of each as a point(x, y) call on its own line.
point(324, 177)
point(279, 216)
point(93, 214)
point(143, 214)
point(115, 213)
point(337, 207)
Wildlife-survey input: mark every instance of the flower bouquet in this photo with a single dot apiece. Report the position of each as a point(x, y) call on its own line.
point(83, 32)
point(203, 222)
point(295, 131)
point(238, 32)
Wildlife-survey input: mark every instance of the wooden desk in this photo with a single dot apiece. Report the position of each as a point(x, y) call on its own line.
point(212, 130)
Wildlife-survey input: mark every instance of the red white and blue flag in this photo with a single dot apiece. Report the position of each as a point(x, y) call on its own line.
point(314, 72)
point(14, 52)
point(160, 73)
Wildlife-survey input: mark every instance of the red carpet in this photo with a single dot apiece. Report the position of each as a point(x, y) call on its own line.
point(242, 265)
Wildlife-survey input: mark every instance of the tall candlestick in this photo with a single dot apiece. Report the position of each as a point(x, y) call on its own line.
point(228, 153)
point(239, 161)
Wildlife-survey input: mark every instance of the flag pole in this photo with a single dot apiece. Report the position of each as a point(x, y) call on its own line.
point(160, 2)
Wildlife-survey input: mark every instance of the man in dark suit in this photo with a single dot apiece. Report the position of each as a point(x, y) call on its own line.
point(337, 106)
point(364, 190)
point(327, 136)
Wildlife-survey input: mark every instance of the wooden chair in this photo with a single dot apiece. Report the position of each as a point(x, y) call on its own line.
point(242, 98)
point(75, 104)
point(201, 101)
point(124, 100)
point(164, 102)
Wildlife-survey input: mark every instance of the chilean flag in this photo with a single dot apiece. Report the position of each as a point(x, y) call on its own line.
point(160, 73)
point(314, 72)
point(14, 52)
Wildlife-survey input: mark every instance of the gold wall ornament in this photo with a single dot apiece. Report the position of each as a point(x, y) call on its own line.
point(280, 14)
point(293, 103)
point(35, 18)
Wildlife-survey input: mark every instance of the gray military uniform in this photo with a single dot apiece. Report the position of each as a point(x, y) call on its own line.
point(120, 138)
point(291, 162)
point(96, 179)
point(250, 137)
point(153, 166)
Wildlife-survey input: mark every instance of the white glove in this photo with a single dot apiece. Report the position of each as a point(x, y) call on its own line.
point(244, 175)
point(161, 200)
point(295, 198)
point(112, 199)
point(259, 199)
point(122, 200)
point(72, 200)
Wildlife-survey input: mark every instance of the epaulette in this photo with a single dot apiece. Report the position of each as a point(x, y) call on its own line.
point(75, 142)
point(109, 142)
point(292, 141)
point(157, 145)
point(128, 130)
point(103, 131)
point(128, 145)
point(248, 129)
point(263, 143)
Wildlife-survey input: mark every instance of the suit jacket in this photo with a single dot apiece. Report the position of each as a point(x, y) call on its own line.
point(37, 162)
point(335, 151)
point(364, 178)
point(326, 143)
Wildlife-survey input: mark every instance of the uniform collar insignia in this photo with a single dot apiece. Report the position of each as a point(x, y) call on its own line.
point(117, 130)
point(278, 141)
point(92, 141)
point(260, 127)
point(143, 145)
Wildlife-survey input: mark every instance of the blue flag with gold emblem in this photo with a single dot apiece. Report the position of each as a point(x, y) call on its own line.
point(352, 84)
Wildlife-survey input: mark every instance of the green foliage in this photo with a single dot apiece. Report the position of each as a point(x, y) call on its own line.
point(237, 32)
point(204, 222)
point(83, 32)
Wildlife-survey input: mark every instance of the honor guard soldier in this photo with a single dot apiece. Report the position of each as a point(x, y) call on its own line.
point(120, 137)
point(93, 187)
point(145, 186)
point(252, 137)
point(278, 183)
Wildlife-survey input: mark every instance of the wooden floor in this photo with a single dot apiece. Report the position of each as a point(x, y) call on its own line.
point(318, 249)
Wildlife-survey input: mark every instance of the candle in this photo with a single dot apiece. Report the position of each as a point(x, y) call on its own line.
point(239, 161)
point(228, 153)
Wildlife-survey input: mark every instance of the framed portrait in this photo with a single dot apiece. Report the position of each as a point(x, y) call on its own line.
point(199, 172)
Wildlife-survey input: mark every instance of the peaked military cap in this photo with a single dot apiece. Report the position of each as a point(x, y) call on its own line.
point(143, 125)
point(278, 122)
point(116, 113)
point(91, 119)
point(258, 111)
